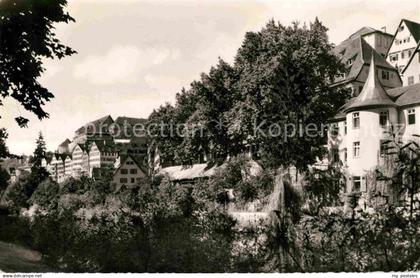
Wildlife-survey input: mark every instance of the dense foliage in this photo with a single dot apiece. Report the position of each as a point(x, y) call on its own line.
point(26, 38)
point(278, 84)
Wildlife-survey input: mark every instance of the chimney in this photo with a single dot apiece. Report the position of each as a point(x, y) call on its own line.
point(383, 29)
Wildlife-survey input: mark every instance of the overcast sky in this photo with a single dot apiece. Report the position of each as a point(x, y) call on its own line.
point(135, 55)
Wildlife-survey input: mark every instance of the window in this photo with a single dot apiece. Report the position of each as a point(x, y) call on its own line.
point(334, 130)
point(133, 180)
point(124, 171)
point(123, 180)
point(401, 28)
point(402, 54)
point(383, 118)
point(356, 149)
point(410, 80)
point(345, 155)
point(335, 155)
point(385, 75)
point(133, 171)
point(383, 147)
point(411, 116)
point(356, 183)
point(345, 127)
point(356, 120)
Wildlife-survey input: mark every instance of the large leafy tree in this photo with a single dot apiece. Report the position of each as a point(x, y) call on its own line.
point(26, 38)
point(285, 74)
point(215, 95)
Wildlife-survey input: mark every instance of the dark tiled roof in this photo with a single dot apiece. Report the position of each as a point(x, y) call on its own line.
point(402, 96)
point(414, 28)
point(138, 160)
point(407, 95)
point(96, 124)
point(123, 127)
point(372, 94)
point(360, 51)
point(362, 31)
point(62, 156)
point(131, 121)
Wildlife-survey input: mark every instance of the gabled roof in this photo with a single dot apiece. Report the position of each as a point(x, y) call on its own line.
point(136, 160)
point(372, 94)
point(414, 28)
point(61, 156)
point(65, 143)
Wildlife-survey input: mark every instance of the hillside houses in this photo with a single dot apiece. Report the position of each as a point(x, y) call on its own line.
point(98, 145)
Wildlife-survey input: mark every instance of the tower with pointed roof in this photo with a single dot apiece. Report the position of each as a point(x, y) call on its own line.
point(368, 117)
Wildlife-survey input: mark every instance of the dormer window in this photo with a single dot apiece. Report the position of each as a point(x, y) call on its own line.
point(411, 116)
point(356, 120)
point(385, 75)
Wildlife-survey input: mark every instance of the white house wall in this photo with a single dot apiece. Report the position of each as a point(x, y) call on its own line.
point(399, 47)
point(369, 135)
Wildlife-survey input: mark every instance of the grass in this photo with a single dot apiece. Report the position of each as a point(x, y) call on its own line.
point(14, 258)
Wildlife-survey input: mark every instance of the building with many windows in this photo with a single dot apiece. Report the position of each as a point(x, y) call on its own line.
point(364, 124)
point(96, 146)
point(404, 44)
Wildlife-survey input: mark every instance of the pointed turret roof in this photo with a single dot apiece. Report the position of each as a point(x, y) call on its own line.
point(372, 94)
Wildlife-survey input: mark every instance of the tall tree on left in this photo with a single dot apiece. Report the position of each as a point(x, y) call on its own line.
point(26, 38)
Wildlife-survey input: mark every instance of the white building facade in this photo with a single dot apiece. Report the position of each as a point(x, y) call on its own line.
point(366, 122)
